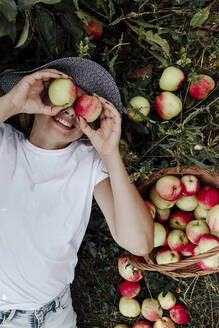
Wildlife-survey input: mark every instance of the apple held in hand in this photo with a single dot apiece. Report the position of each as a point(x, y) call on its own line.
point(169, 187)
point(138, 108)
point(179, 219)
point(165, 255)
point(151, 207)
point(167, 301)
point(127, 270)
point(151, 309)
point(158, 201)
point(129, 289)
point(179, 314)
point(195, 229)
point(168, 105)
point(187, 203)
point(177, 240)
point(206, 243)
point(208, 197)
point(159, 234)
point(129, 307)
point(62, 92)
point(213, 218)
point(164, 322)
point(171, 78)
point(191, 185)
point(142, 324)
point(202, 87)
point(88, 107)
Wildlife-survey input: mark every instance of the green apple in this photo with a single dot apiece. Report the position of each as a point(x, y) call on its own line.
point(138, 108)
point(171, 79)
point(62, 92)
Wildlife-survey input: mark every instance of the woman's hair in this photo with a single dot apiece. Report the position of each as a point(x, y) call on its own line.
point(25, 124)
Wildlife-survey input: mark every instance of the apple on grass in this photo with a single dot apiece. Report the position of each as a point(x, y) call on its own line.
point(206, 243)
point(129, 289)
point(62, 92)
point(200, 213)
point(179, 313)
point(188, 249)
point(168, 105)
point(201, 87)
point(195, 229)
point(151, 309)
point(158, 201)
point(129, 271)
point(162, 215)
point(94, 29)
point(212, 218)
point(165, 255)
point(179, 219)
point(164, 322)
point(159, 234)
point(142, 324)
point(138, 108)
point(177, 240)
point(191, 185)
point(187, 203)
point(88, 107)
point(151, 207)
point(129, 307)
point(208, 197)
point(169, 187)
point(171, 78)
point(167, 301)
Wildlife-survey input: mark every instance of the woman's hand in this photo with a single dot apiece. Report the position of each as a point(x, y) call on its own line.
point(106, 138)
point(26, 95)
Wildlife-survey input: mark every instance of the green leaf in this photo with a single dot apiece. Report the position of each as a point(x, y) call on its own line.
point(27, 4)
point(71, 25)
point(76, 4)
point(47, 26)
point(8, 9)
point(6, 28)
point(25, 33)
point(155, 38)
point(200, 17)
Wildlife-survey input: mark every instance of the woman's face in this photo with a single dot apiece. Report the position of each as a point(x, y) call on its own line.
point(55, 132)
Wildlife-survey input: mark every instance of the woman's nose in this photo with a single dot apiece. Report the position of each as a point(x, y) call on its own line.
point(70, 111)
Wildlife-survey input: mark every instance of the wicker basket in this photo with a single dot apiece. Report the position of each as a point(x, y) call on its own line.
point(186, 267)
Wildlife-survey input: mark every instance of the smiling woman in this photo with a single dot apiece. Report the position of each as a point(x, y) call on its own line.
point(43, 222)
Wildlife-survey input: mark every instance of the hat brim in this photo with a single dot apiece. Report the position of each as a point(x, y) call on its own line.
point(85, 73)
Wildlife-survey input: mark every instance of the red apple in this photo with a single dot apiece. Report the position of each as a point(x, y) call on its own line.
point(200, 213)
point(88, 107)
point(142, 324)
point(195, 229)
point(94, 29)
point(159, 234)
point(138, 108)
point(202, 87)
point(191, 185)
point(169, 187)
point(158, 201)
point(179, 314)
point(151, 309)
point(62, 92)
point(188, 249)
point(167, 301)
point(207, 242)
point(167, 232)
point(162, 215)
point(187, 203)
point(177, 240)
point(171, 79)
point(151, 207)
point(213, 218)
point(129, 307)
point(164, 322)
point(129, 289)
point(208, 197)
point(165, 255)
point(179, 219)
point(129, 271)
point(168, 105)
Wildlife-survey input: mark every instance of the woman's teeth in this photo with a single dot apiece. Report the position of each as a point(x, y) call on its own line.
point(63, 122)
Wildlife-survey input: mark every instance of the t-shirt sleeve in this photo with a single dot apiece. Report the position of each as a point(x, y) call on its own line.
point(3, 136)
point(101, 171)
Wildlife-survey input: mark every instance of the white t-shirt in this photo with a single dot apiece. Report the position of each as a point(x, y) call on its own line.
point(45, 206)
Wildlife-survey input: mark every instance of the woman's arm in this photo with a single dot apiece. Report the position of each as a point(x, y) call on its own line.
point(127, 215)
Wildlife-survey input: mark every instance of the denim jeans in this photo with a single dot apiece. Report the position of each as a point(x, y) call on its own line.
point(58, 313)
